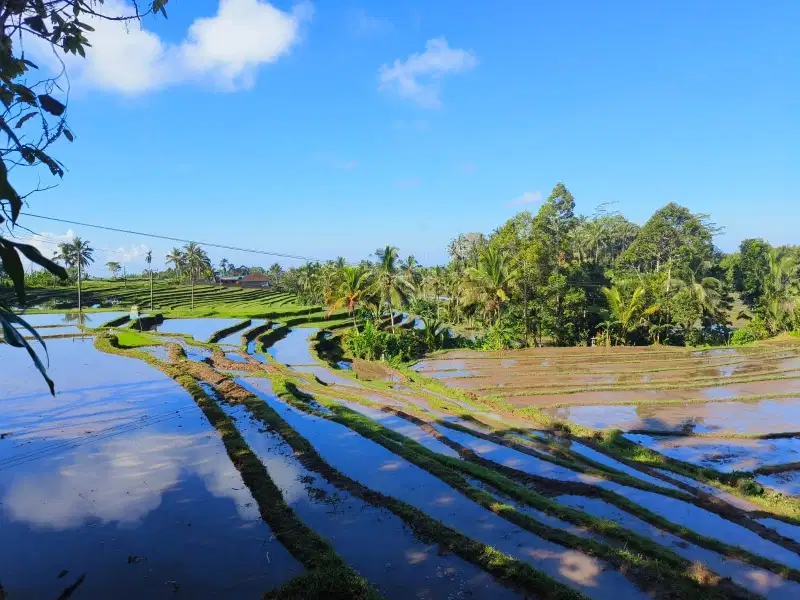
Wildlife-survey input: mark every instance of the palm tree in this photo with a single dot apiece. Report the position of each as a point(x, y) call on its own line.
point(393, 286)
point(490, 281)
point(196, 261)
point(77, 253)
point(354, 285)
point(223, 266)
point(275, 273)
point(410, 269)
point(780, 293)
point(114, 268)
point(177, 260)
point(148, 258)
point(627, 312)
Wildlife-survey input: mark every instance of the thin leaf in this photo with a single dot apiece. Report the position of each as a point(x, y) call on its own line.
point(25, 118)
point(68, 135)
point(8, 316)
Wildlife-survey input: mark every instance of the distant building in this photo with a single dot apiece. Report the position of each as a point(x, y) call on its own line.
point(229, 280)
point(255, 280)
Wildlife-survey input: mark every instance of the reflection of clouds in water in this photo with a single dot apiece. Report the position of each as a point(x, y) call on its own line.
point(123, 480)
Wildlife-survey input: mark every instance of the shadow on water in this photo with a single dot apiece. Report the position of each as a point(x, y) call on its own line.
point(371, 539)
point(377, 468)
point(235, 338)
point(133, 487)
point(677, 511)
point(759, 581)
point(763, 416)
point(725, 455)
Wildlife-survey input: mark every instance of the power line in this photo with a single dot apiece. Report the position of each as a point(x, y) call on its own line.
point(175, 239)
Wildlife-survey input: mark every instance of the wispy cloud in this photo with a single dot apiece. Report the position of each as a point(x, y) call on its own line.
point(411, 182)
point(369, 25)
point(418, 78)
point(526, 198)
point(225, 50)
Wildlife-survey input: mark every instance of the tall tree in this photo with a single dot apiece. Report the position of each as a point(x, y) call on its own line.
point(177, 259)
point(350, 291)
point(77, 253)
point(197, 263)
point(674, 237)
point(114, 268)
point(627, 311)
point(394, 288)
point(491, 280)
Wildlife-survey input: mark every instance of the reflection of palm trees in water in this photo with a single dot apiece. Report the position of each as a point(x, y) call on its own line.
point(75, 318)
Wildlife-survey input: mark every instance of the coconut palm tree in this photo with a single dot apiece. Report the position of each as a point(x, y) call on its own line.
point(177, 260)
point(410, 268)
point(77, 253)
point(196, 261)
point(354, 284)
point(275, 274)
point(489, 282)
point(628, 313)
point(114, 268)
point(780, 291)
point(148, 258)
point(393, 286)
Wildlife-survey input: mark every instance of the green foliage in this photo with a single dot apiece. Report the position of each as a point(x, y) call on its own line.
point(752, 332)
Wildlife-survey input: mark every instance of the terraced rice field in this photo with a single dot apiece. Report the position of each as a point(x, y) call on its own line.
point(168, 296)
point(251, 466)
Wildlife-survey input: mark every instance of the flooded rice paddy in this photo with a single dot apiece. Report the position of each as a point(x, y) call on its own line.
point(120, 478)
point(121, 486)
point(87, 319)
point(199, 329)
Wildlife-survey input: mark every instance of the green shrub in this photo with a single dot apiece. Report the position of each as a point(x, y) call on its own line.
point(752, 332)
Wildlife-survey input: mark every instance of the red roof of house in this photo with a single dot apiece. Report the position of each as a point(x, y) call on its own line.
point(256, 277)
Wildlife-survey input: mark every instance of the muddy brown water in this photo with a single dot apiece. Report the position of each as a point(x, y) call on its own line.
point(377, 468)
point(120, 477)
point(763, 416)
point(512, 380)
point(719, 392)
point(725, 455)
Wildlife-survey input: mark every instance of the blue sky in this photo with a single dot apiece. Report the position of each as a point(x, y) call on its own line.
point(333, 128)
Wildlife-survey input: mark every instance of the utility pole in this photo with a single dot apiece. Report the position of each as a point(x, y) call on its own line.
point(124, 277)
point(80, 306)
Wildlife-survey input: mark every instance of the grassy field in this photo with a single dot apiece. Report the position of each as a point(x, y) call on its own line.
point(168, 298)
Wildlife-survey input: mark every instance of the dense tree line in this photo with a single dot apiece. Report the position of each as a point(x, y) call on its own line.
point(559, 278)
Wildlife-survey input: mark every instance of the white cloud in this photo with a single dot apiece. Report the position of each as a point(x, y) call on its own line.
point(526, 198)
point(46, 242)
point(418, 77)
point(226, 49)
point(123, 255)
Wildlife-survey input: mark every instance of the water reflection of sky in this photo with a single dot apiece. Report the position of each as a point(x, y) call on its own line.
point(121, 463)
point(199, 329)
point(294, 348)
point(89, 319)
